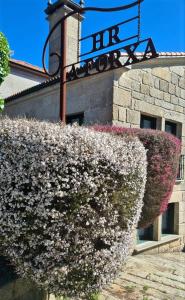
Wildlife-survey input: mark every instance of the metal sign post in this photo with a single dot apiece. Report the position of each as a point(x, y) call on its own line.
point(104, 61)
point(63, 72)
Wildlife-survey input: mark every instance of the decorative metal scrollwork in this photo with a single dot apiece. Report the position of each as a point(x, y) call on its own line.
point(79, 10)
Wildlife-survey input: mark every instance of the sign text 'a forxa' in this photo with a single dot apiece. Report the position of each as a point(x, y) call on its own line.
point(112, 60)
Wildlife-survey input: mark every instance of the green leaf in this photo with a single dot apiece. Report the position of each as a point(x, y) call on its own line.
point(4, 57)
point(1, 105)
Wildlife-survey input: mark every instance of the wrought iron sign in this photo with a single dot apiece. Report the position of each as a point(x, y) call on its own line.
point(102, 54)
point(111, 60)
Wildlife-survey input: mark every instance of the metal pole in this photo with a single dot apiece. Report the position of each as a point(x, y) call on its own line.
point(63, 71)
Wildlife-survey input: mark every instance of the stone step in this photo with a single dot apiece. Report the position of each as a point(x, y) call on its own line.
point(151, 277)
point(173, 277)
point(164, 262)
point(178, 294)
point(136, 292)
point(177, 257)
point(159, 279)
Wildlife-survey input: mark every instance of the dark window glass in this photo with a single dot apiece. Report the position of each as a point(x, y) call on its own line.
point(171, 128)
point(146, 234)
point(148, 122)
point(168, 220)
point(75, 118)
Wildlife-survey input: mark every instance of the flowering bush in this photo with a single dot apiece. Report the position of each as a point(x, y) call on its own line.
point(163, 151)
point(70, 199)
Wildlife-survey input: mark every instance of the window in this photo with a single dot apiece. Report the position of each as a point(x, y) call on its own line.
point(171, 127)
point(148, 122)
point(180, 175)
point(168, 220)
point(145, 234)
point(75, 118)
point(174, 128)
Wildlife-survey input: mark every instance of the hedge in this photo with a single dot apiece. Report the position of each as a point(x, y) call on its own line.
point(163, 152)
point(70, 200)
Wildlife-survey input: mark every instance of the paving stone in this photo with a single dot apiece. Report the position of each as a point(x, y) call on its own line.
point(164, 263)
point(155, 285)
point(160, 278)
point(151, 277)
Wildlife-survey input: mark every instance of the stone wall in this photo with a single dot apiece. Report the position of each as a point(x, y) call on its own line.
point(158, 92)
point(93, 96)
point(73, 33)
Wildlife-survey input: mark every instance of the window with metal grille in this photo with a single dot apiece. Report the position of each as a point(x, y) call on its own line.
point(171, 127)
point(180, 175)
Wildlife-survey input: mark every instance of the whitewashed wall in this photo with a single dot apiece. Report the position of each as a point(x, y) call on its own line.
point(17, 81)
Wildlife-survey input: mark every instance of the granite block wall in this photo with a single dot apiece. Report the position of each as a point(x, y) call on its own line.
point(157, 92)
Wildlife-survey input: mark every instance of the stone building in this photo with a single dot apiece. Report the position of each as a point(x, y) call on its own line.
point(148, 94)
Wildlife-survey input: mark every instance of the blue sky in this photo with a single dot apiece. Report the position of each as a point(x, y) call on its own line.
point(24, 24)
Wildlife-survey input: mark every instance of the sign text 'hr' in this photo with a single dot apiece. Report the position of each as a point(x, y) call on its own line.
point(99, 38)
point(109, 37)
point(112, 60)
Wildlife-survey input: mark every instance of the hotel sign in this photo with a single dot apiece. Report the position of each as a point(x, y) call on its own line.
point(111, 60)
point(105, 50)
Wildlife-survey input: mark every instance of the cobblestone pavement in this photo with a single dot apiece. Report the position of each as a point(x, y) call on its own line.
point(150, 277)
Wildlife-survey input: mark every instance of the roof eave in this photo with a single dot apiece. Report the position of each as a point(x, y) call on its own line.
point(28, 69)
